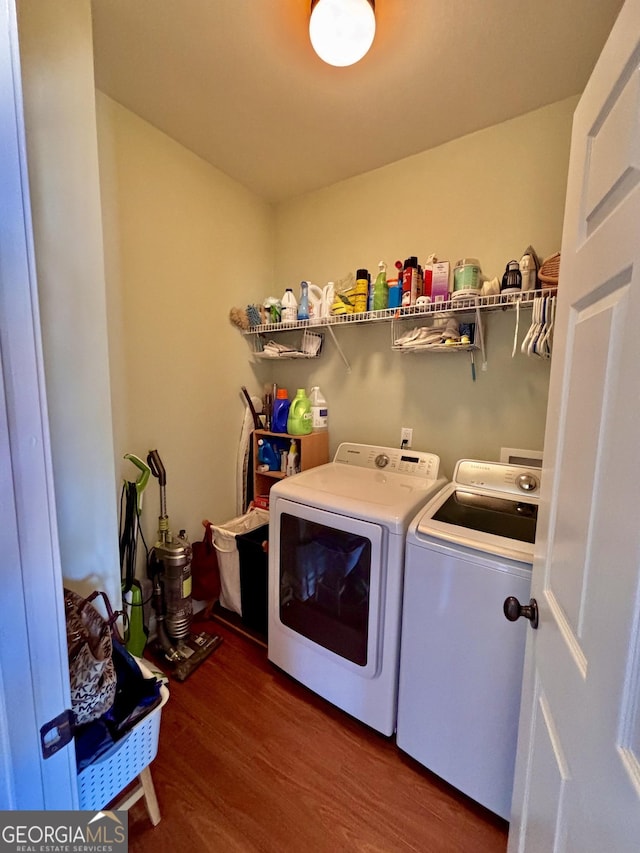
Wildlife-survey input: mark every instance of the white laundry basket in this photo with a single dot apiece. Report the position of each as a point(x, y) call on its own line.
point(224, 541)
point(101, 782)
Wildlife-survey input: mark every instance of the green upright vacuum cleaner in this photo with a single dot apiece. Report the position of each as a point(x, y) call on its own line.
point(169, 567)
point(135, 634)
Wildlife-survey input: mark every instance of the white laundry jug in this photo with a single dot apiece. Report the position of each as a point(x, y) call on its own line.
point(315, 301)
point(289, 307)
point(319, 410)
point(328, 295)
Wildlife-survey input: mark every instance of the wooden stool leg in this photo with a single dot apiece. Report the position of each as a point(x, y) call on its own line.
point(150, 799)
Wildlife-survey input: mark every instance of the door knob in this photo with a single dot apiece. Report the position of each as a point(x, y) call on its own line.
point(513, 610)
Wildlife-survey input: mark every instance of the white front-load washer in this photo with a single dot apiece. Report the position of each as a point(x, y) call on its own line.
point(461, 661)
point(336, 552)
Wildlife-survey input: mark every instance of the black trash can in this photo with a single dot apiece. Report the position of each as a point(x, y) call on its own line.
point(254, 578)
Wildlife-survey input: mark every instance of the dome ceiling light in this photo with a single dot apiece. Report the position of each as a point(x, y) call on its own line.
point(342, 31)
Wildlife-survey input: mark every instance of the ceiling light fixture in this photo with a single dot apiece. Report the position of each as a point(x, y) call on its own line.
point(342, 31)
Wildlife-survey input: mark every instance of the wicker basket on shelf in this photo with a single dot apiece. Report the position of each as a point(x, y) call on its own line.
point(550, 270)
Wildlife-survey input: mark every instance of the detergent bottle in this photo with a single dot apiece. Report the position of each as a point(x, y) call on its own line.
point(299, 421)
point(395, 293)
point(280, 411)
point(267, 455)
point(328, 295)
point(289, 307)
point(319, 410)
point(315, 301)
point(381, 288)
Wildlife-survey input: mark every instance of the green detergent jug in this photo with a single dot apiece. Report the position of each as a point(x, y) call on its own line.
point(300, 419)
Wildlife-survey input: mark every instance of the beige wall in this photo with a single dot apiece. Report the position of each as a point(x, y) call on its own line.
point(59, 104)
point(183, 243)
point(488, 195)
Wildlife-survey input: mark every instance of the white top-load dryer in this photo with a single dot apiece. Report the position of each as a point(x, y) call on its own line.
point(336, 553)
point(468, 551)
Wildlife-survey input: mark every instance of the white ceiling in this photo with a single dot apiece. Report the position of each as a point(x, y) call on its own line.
point(237, 82)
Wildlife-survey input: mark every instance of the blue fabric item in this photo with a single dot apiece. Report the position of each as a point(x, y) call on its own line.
point(92, 741)
point(135, 694)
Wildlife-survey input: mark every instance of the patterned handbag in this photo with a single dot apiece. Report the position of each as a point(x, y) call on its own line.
point(91, 669)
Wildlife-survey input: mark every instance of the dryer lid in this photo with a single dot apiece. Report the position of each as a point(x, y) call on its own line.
point(387, 498)
point(363, 484)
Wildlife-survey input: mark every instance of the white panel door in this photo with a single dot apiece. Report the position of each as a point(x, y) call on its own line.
point(34, 676)
point(578, 768)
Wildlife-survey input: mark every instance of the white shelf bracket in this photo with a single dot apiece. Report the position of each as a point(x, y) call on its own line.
point(339, 348)
point(480, 333)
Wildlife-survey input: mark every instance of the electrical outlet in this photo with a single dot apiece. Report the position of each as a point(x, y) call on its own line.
point(406, 437)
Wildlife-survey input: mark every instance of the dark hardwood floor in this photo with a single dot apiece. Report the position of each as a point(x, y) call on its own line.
point(249, 760)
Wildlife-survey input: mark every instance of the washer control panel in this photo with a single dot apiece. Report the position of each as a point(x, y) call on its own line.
point(516, 480)
point(391, 460)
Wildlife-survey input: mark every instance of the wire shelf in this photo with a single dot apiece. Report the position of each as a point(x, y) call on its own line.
point(448, 348)
point(458, 305)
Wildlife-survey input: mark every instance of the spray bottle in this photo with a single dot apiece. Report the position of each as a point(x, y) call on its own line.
point(292, 459)
point(428, 275)
point(303, 305)
point(381, 288)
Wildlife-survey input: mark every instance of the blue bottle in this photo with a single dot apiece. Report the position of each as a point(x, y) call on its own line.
point(280, 411)
point(267, 455)
point(303, 305)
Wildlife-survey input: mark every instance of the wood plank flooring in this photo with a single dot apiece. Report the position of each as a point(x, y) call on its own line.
point(249, 760)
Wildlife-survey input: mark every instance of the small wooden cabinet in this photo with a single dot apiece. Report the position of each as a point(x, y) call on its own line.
point(313, 450)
